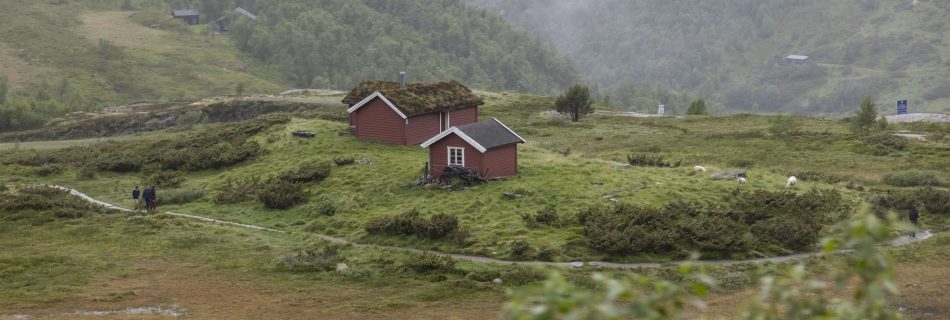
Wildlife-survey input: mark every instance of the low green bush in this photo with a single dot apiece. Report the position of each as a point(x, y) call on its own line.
point(428, 262)
point(648, 160)
point(912, 178)
point(751, 219)
point(280, 194)
point(48, 170)
point(155, 177)
point(521, 249)
point(882, 144)
point(237, 191)
point(930, 199)
point(408, 223)
point(308, 172)
point(522, 275)
point(547, 215)
point(326, 207)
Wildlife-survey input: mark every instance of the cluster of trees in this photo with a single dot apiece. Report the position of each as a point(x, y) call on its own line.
point(25, 110)
point(338, 43)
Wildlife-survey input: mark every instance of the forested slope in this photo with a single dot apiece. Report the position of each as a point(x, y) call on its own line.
point(338, 43)
point(60, 56)
point(731, 50)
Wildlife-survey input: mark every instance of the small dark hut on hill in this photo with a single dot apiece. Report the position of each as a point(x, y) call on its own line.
point(489, 148)
point(189, 16)
point(395, 113)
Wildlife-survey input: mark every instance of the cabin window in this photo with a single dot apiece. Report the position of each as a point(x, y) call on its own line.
point(456, 156)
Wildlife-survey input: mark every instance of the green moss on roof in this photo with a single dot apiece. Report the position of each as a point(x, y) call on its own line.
point(418, 98)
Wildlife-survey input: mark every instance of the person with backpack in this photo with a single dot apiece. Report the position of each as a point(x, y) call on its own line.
point(135, 198)
point(914, 216)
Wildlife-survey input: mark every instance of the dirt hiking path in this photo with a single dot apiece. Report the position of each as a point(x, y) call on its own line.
point(899, 241)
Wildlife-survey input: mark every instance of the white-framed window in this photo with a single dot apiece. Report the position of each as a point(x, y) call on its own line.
point(456, 157)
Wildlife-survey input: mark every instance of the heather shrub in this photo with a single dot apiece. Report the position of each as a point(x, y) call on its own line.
point(279, 194)
point(428, 262)
point(520, 249)
point(746, 222)
point(912, 178)
point(648, 160)
point(153, 176)
point(627, 228)
point(307, 172)
point(409, 223)
point(237, 191)
point(930, 199)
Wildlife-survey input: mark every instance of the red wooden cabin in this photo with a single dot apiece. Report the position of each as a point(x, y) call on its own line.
point(388, 112)
point(488, 147)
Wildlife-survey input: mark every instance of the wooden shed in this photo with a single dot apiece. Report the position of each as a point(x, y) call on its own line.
point(189, 16)
point(488, 147)
point(389, 112)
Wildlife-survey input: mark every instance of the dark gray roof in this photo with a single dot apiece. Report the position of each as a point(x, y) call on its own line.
point(184, 13)
point(246, 13)
point(490, 133)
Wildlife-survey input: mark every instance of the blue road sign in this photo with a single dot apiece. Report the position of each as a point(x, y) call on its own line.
point(901, 106)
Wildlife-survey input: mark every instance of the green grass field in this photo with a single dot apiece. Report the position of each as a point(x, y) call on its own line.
point(93, 262)
point(568, 166)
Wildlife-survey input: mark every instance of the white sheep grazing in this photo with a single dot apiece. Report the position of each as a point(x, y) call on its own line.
point(699, 169)
point(741, 180)
point(791, 182)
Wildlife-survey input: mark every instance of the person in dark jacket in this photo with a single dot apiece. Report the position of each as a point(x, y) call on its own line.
point(147, 199)
point(135, 197)
point(914, 215)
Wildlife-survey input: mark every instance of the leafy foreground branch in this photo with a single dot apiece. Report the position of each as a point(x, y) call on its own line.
point(792, 295)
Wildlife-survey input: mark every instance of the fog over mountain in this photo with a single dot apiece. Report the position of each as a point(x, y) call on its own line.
point(732, 51)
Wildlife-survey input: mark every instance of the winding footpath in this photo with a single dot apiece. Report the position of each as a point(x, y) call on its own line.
point(899, 241)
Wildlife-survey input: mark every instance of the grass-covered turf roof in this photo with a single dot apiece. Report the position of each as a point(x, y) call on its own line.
point(417, 98)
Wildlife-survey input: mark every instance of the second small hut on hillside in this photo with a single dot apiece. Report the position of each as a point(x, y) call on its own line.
point(489, 148)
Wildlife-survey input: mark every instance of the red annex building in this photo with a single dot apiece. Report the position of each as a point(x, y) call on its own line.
point(388, 112)
point(488, 147)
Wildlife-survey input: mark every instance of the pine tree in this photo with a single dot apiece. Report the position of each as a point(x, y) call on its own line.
point(576, 101)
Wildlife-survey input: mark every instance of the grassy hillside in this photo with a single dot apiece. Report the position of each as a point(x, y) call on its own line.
point(558, 159)
point(571, 167)
point(87, 56)
point(731, 50)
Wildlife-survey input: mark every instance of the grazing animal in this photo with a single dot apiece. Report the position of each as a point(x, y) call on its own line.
point(741, 180)
point(791, 182)
point(699, 169)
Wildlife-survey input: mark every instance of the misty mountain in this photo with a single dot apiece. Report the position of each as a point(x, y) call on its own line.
point(732, 50)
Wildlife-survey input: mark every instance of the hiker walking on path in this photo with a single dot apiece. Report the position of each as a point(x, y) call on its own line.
point(914, 215)
point(154, 199)
point(147, 198)
point(135, 198)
